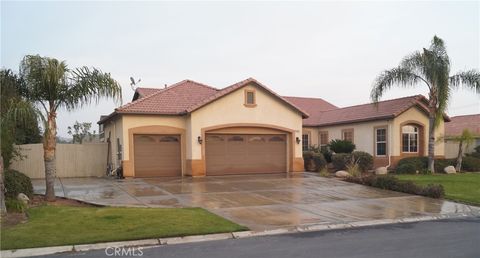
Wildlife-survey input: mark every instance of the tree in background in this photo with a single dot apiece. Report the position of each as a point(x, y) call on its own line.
point(464, 141)
point(52, 85)
point(430, 67)
point(80, 131)
point(16, 112)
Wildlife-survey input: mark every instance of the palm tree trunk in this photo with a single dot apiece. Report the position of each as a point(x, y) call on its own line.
point(3, 208)
point(49, 145)
point(459, 157)
point(431, 141)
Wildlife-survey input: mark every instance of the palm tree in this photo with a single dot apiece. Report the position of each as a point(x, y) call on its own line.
point(52, 85)
point(430, 67)
point(464, 141)
point(16, 110)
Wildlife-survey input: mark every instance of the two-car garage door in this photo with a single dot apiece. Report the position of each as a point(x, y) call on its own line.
point(160, 155)
point(245, 153)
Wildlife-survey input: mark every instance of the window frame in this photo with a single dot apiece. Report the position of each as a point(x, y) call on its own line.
point(376, 141)
point(352, 130)
point(253, 92)
point(417, 133)
point(307, 142)
point(320, 139)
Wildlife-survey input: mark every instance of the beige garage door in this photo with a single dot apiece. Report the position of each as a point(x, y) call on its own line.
point(245, 154)
point(157, 155)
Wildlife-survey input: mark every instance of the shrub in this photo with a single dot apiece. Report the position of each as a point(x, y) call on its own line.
point(389, 182)
point(14, 205)
point(341, 146)
point(314, 161)
point(419, 163)
point(471, 164)
point(16, 182)
point(363, 159)
point(340, 160)
point(327, 154)
point(406, 168)
point(440, 164)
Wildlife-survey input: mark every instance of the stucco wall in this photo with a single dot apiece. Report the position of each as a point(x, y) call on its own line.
point(132, 121)
point(363, 135)
point(230, 109)
point(114, 129)
point(414, 114)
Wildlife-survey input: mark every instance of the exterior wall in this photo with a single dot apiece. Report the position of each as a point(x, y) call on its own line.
point(230, 111)
point(451, 148)
point(114, 129)
point(312, 135)
point(72, 160)
point(413, 114)
point(149, 124)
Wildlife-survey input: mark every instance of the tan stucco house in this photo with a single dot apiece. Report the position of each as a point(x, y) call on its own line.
point(191, 129)
point(455, 128)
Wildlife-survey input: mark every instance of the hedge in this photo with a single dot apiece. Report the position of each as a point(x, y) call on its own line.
point(413, 164)
point(16, 182)
point(363, 159)
point(314, 161)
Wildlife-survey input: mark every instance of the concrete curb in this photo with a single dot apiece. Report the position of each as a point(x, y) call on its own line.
point(223, 236)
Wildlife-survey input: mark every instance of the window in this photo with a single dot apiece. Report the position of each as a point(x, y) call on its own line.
point(250, 100)
point(323, 140)
point(347, 135)
point(380, 141)
point(409, 138)
point(305, 142)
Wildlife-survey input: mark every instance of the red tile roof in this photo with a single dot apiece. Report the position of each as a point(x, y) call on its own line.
point(314, 107)
point(366, 112)
point(143, 92)
point(459, 123)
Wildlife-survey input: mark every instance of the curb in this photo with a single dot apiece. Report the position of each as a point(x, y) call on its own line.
point(222, 236)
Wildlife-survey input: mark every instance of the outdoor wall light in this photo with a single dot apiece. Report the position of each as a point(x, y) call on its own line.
point(199, 139)
point(297, 140)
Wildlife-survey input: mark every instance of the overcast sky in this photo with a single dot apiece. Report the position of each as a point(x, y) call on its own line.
point(331, 50)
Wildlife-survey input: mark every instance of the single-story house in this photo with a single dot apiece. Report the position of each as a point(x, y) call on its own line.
point(194, 129)
point(455, 128)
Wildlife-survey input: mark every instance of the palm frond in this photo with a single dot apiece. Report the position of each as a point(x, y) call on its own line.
point(402, 76)
point(468, 79)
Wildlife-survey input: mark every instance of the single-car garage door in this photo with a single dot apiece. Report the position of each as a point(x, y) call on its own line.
point(157, 155)
point(245, 153)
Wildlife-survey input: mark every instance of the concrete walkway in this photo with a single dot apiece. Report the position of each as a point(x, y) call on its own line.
point(260, 202)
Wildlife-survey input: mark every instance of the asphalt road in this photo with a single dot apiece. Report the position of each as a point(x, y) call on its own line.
point(445, 238)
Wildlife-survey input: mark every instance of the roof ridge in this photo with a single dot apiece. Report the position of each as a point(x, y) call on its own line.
point(315, 98)
point(465, 115)
point(202, 84)
point(388, 100)
point(151, 95)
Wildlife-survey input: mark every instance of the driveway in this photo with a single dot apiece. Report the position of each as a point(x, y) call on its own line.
point(259, 202)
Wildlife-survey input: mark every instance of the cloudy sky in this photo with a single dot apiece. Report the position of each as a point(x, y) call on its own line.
point(331, 50)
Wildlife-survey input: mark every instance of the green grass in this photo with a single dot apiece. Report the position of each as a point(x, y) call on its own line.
point(66, 225)
point(458, 187)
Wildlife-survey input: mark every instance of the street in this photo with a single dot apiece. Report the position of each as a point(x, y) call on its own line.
point(443, 238)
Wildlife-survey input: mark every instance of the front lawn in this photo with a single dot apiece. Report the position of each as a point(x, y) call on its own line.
point(458, 187)
point(65, 225)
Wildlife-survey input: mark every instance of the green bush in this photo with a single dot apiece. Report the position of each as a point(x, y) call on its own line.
point(14, 205)
point(389, 182)
point(419, 163)
point(471, 164)
point(341, 146)
point(341, 160)
point(16, 182)
point(441, 164)
point(364, 160)
point(327, 154)
point(314, 161)
point(406, 168)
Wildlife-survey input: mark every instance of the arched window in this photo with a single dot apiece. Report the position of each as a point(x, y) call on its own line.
point(410, 138)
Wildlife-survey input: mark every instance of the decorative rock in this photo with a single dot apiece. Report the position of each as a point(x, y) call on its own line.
point(381, 171)
point(342, 174)
point(450, 170)
point(23, 198)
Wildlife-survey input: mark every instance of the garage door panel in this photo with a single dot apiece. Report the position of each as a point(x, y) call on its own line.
point(157, 155)
point(245, 154)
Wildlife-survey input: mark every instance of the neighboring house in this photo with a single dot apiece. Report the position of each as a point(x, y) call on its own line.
point(455, 128)
point(193, 129)
point(391, 130)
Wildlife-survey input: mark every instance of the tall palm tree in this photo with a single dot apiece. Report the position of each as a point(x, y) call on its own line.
point(52, 85)
point(430, 67)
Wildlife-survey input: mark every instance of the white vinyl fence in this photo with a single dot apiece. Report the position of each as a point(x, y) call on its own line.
point(73, 160)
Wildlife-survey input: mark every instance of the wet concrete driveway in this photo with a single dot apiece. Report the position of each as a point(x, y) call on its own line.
point(259, 201)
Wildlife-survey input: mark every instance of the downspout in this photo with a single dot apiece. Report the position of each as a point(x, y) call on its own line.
point(390, 143)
